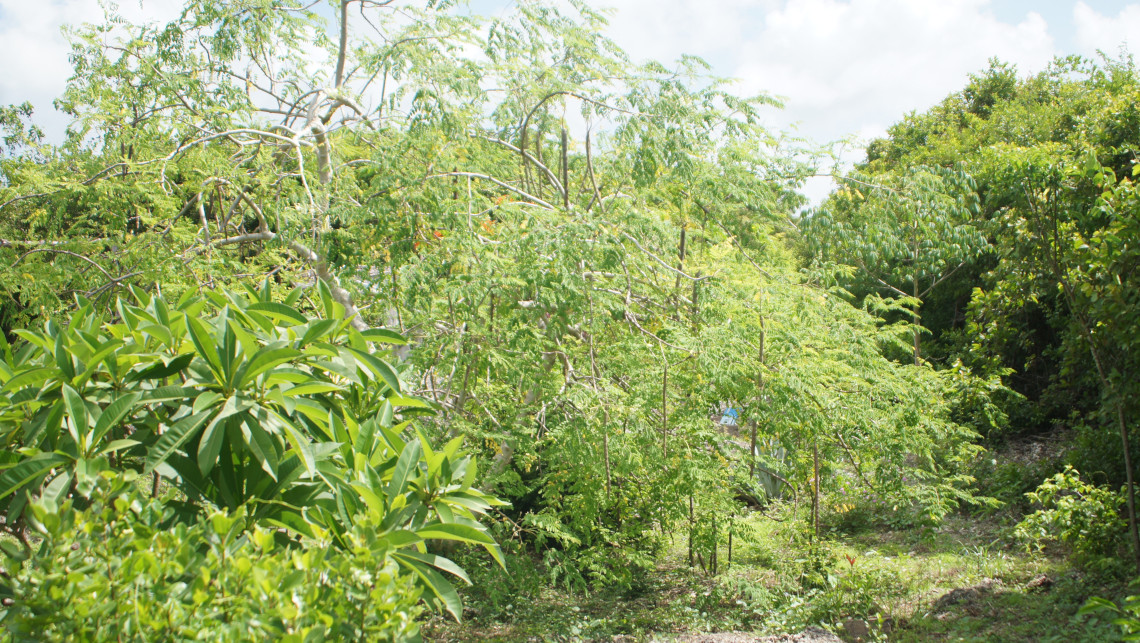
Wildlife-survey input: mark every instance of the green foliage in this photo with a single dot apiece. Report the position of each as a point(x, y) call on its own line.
point(581, 303)
point(1048, 155)
point(243, 403)
point(1127, 614)
point(126, 569)
point(1084, 516)
point(1009, 482)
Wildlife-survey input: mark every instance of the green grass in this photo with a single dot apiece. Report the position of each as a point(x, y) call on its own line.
point(893, 579)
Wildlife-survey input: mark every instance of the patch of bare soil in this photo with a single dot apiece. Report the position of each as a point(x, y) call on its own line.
point(810, 635)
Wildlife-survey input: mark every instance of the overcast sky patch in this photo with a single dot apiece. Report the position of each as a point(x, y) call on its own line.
point(847, 68)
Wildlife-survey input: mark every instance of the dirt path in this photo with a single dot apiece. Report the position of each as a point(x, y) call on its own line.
point(811, 635)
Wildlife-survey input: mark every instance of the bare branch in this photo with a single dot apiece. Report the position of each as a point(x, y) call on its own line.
point(662, 262)
point(545, 170)
point(506, 186)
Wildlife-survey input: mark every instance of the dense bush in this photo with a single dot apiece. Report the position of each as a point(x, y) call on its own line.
point(1086, 517)
point(246, 408)
point(126, 569)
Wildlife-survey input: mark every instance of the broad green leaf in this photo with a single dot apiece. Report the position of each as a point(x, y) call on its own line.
point(439, 562)
point(278, 311)
point(30, 377)
point(405, 469)
point(261, 446)
point(455, 531)
point(437, 585)
point(312, 389)
point(118, 445)
point(162, 369)
point(408, 402)
point(169, 393)
point(210, 446)
point(114, 414)
point(204, 343)
point(16, 477)
point(77, 411)
point(318, 330)
point(263, 361)
point(384, 336)
point(175, 436)
point(370, 498)
point(379, 368)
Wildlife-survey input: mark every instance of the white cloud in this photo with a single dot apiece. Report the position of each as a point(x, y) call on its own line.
point(1096, 31)
point(845, 66)
point(36, 51)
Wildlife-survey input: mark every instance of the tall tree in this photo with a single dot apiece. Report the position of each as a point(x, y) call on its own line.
point(905, 233)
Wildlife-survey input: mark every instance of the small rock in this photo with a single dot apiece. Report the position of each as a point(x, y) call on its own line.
point(967, 595)
point(856, 628)
point(1041, 583)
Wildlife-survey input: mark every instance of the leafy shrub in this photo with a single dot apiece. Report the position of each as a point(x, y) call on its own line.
point(1127, 614)
point(1086, 517)
point(126, 569)
point(235, 397)
point(1010, 481)
point(243, 403)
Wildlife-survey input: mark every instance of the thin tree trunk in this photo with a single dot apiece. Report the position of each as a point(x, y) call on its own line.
point(917, 320)
point(1123, 427)
point(714, 562)
point(759, 394)
point(696, 322)
point(680, 259)
point(815, 493)
point(1052, 254)
point(664, 406)
point(606, 453)
point(690, 530)
point(730, 546)
point(565, 172)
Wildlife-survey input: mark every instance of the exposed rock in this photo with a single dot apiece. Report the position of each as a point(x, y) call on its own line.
point(966, 596)
point(856, 629)
point(1041, 583)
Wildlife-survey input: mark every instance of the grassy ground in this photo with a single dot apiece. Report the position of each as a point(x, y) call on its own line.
point(965, 580)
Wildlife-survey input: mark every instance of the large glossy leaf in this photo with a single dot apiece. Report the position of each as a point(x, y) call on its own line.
point(30, 377)
point(16, 477)
point(263, 361)
point(174, 437)
point(313, 389)
point(462, 533)
point(77, 411)
point(278, 311)
point(405, 469)
point(379, 368)
point(114, 414)
point(439, 562)
point(434, 582)
point(261, 446)
point(210, 446)
point(384, 336)
point(318, 330)
point(204, 343)
point(162, 369)
point(169, 394)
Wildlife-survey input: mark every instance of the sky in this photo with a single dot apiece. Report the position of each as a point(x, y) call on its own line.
point(847, 69)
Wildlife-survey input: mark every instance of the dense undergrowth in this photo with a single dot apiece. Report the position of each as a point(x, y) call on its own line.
point(873, 575)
